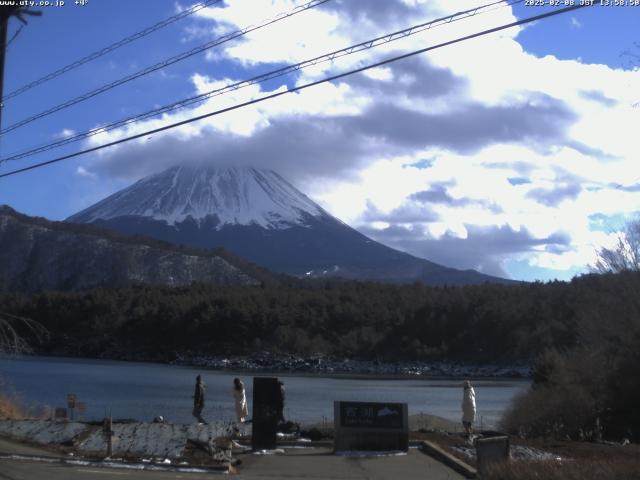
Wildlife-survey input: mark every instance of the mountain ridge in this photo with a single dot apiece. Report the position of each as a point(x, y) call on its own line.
point(39, 254)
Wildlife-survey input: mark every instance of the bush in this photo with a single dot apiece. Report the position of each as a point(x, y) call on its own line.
point(594, 381)
point(10, 409)
point(547, 411)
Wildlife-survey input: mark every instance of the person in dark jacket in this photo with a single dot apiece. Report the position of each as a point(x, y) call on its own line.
point(198, 400)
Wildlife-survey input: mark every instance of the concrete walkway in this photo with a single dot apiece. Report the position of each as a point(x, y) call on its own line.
point(313, 463)
point(25, 470)
point(317, 463)
point(321, 464)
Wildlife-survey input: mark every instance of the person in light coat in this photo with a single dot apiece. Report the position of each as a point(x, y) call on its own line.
point(468, 407)
point(240, 400)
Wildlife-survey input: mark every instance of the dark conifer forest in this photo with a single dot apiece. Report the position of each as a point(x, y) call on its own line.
point(488, 323)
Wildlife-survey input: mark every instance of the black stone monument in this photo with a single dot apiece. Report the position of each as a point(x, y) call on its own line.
point(266, 397)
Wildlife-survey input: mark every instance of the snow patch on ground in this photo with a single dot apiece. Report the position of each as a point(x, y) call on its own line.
point(42, 432)
point(517, 452)
point(364, 453)
point(277, 451)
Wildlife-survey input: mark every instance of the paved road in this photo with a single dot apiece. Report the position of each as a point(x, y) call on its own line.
point(320, 464)
point(29, 470)
point(316, 464)
point(22, 470)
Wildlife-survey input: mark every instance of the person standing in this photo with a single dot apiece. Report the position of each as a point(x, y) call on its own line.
point(468, 407)
point(240, 400)
point(198, 400)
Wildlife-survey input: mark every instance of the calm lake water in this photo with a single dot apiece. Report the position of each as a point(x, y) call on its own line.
point(144, 390)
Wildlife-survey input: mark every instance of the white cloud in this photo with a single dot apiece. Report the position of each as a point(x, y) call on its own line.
point(83, 172)
point(483, 112)
point(65, 133)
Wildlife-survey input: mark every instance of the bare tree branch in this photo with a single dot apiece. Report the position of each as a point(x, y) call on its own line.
point(15, 330)
point(625, 255)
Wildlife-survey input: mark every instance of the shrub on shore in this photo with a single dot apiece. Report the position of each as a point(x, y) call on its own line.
point(10, 409)
point(14, 407)
point(592, 390)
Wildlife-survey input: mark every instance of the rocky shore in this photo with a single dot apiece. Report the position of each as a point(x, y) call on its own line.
point(329, 365)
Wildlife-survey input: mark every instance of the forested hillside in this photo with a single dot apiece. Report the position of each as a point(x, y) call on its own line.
point(482, 323)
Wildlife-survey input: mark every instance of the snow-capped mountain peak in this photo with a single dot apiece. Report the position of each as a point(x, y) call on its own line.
point(235, 195)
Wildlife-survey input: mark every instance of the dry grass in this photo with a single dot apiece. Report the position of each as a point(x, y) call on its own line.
point(424, 421)
point(14, 407)
point(10, 409)
point(619, 469)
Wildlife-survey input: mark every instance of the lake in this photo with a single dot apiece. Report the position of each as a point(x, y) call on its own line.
point(144, 390)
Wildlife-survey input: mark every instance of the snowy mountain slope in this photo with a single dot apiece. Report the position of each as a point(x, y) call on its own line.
point(259, 216)
point(235, 196)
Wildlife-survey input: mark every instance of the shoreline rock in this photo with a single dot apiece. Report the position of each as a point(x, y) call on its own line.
point(328, 365)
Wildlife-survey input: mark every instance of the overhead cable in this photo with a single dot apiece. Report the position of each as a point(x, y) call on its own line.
point(103, 51)
point(369, 44)
point(165, 63)
point(299, 88)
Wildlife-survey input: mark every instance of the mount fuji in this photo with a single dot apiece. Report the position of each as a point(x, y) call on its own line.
point(258, 215)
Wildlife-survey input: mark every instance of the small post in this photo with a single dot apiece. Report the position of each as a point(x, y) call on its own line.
point(107, 429)
point(110, 439)
point(71, 405)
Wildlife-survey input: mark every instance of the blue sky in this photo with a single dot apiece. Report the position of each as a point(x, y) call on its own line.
point(512, 154)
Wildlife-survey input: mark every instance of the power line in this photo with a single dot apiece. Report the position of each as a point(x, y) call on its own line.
point(103, 51)
point(14, 36)
point(299, 88)
point(170, 61)
point(266, 76)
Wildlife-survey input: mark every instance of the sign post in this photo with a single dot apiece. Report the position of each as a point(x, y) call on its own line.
point(371, 426)
point(71, 404)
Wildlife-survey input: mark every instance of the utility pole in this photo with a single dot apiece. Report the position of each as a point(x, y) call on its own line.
point(7, 12)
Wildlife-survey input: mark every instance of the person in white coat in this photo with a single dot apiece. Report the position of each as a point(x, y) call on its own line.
point(240, 400)
point(468, 407)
